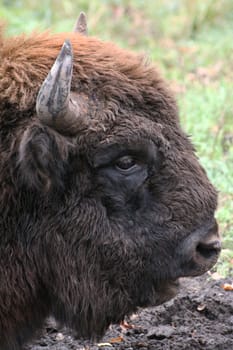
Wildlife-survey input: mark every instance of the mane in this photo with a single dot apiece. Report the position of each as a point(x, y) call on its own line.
point(26, 60)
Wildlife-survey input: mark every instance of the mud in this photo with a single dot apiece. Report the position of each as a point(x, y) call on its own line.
point(200, 317)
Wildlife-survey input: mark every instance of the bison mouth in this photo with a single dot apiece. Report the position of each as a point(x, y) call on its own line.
point(161, 293)
point(197, 253)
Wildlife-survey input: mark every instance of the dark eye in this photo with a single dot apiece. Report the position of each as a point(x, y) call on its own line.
point(125, 163)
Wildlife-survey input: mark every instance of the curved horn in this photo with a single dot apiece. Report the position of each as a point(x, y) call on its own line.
point(54, 105)
point(81, 24)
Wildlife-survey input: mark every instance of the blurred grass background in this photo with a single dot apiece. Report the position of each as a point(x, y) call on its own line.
point(192, 43)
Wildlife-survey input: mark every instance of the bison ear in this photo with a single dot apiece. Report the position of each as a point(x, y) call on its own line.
point(43, 156)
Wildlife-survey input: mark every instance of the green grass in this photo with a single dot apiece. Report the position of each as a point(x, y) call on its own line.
point(191, 41)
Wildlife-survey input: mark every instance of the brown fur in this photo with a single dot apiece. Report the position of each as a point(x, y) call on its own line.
point(24, 66)
point(80, 237)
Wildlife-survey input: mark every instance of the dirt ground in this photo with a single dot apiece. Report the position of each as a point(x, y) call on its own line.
point(200, 317)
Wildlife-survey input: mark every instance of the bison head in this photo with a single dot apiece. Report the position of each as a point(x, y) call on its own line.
point(113, 206)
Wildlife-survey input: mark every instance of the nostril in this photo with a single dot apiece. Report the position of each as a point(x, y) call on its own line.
point(200, 250)
point(208, 249)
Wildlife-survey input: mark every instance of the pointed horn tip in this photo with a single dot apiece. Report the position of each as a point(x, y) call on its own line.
point(81, 24)
point(82, 15)
point(67, 45)
point(66, 50)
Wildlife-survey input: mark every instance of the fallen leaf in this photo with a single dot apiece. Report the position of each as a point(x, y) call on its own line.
point(116, 340)
point(227, 286)
point(126, 325)
point(103, 344)
point(201, 307)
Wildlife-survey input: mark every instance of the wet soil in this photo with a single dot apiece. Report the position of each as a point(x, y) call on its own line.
point(200, 317)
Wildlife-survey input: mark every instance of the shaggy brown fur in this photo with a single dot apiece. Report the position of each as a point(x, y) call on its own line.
point(25, 62)
point(94, 225)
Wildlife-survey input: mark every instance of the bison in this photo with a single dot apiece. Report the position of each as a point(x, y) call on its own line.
point(103, 202)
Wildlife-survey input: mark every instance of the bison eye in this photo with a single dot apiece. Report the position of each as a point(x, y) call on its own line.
point(125, 163)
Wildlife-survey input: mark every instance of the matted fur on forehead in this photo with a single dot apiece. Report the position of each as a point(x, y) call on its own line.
point(26, 60)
